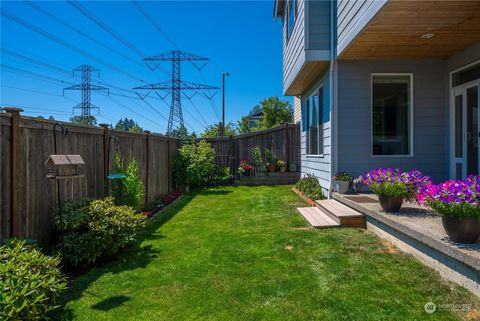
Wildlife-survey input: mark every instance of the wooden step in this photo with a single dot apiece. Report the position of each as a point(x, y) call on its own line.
point(317, 218)
point(341, 214)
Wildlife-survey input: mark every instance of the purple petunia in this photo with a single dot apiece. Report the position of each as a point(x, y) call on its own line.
point(465, 191)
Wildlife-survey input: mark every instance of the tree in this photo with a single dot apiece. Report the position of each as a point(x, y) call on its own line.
point(128, 125)
point(182, 134)
point(84, 120)
point(212, 131)
point(276, 112)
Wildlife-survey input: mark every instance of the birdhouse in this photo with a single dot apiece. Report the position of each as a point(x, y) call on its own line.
point(64, 166)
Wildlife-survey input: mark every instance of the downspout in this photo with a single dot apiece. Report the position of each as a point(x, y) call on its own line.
point(333, 95)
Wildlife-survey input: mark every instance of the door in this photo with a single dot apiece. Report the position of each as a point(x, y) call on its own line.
point(466, 101)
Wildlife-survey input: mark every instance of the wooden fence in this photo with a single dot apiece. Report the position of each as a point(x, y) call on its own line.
point(28, 198)
point(282, 141)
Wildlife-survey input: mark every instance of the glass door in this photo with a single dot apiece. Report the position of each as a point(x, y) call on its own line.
point(466, 129)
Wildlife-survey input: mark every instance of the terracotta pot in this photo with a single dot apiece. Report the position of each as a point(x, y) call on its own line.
point(283, 169)
point(271, 168)
point(341, 187)
point(390, 204)
point(462, 230)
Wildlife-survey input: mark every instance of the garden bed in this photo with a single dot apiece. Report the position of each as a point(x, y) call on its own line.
point(304, 197)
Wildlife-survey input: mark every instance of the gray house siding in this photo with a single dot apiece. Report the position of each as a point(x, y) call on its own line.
point(320, 166)
point(294, 47)
point(352, 17)
point(430, 114)
point(318, 25)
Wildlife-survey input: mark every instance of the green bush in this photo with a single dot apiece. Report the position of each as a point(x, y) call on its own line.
point(96, 228)
point(129, 190)
point(30, 282)
point(194, 165)
point(310, 186)
point(397, 189)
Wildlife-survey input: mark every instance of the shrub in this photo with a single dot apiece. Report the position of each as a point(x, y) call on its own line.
point(310, 186)
point(342, 177)
point(129, 190)
point(96, 228)
point(194, 165)
point(453, 198)
point(257, 156)
point(30, 282)
point(281, 164)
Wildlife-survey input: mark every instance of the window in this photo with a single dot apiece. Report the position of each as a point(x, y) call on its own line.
point(392, 114)
point(314, 121)
point(292, 14)
point(254, 123)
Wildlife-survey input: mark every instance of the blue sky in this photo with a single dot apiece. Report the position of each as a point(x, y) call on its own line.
point(240, 37)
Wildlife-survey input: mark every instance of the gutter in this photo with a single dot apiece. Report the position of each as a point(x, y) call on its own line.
point(333, 95)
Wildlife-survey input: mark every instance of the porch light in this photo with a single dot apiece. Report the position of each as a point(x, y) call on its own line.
point(427, 35)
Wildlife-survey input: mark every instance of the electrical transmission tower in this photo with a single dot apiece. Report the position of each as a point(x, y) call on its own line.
point(176, 87)
point(86, 106)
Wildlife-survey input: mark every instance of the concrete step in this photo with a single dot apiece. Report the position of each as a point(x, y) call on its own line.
point(341, 214)
point(317, 218)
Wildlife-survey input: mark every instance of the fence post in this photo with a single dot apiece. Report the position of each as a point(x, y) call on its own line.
point(106, 157)
point(14, 163)
point(147, 165)
point(287, 143)
point(232, 157)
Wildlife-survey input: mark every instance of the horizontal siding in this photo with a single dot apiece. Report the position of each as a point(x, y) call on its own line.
point(352, 17)
point(318, 25)
point(294, 48)
point(430, 130)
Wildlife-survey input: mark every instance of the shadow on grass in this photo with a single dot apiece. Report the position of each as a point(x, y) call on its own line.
point(213, 191)
point(133, 257)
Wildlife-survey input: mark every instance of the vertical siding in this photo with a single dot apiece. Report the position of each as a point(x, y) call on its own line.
point(318, 25)
point(429, 112)
point(320, 166)
point(294, 48)
point(352, 17)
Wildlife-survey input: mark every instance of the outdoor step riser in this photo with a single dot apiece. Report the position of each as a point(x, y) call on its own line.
point(329, 214)
point(347, 221)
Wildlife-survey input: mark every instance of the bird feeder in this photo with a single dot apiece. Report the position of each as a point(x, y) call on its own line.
point(64, 166)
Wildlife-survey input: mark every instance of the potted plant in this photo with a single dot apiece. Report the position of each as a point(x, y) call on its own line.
point(458, 202)
point(247, 168)
point(358, 184)
point(282, 165)
point(257, 160)
point(393, 186)
point(341, 182)
point(292, 167)
point(270, 160)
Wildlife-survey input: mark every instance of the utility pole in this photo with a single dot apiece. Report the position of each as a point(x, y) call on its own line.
point(85, 106)
point(222, 128)
point(175, 86)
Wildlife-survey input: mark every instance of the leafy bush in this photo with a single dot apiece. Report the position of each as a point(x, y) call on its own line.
point(310, 186)
point(96, 228)
point(30, 282)
point(129, 190)
point(281, 164)
point(224, 177)
point(194, 165)
point(257, 156)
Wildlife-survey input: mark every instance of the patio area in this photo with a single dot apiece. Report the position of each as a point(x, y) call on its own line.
point(243, 253)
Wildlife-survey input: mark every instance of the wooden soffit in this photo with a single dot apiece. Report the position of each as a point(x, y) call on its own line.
point(396, 31)
point(310, 71)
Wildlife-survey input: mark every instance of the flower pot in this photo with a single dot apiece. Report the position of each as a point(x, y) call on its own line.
point(390, 204)
point(283, 169)
point(292, 167)
point(462, 230)
point(271, 168)
point(341, 187)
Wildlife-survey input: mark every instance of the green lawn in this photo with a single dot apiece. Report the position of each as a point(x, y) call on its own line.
point(243, 253)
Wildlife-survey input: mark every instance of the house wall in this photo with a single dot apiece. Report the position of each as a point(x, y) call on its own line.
point(318, 25)
point(430, 114)
point(294, 48)
point(320, 166)
point(352, 17)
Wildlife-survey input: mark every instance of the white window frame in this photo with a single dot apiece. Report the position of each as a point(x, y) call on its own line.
point(307, 132)
point(410, 118)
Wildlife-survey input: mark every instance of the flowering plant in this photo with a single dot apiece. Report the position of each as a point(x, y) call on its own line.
point(459, 198)
point(245, 165)
point(342, 177)
point(395, 183)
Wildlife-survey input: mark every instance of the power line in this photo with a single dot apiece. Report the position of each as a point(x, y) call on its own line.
point(33, 74)
point(37, 92)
